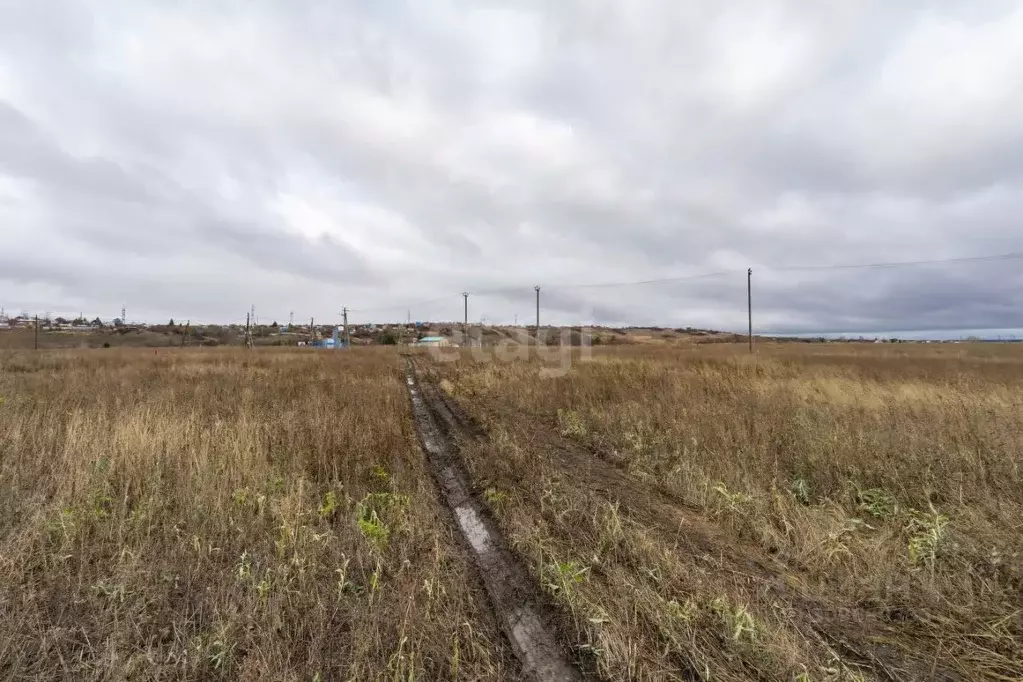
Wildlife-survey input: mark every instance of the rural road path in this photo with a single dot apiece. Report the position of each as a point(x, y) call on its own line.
point(513, 595)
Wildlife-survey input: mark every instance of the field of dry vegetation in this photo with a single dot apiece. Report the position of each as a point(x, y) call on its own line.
point(831, 512)
point(217, 514)
point(816, 513)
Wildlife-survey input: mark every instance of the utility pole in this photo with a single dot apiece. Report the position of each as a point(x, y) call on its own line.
point(123, 320)
point(537, 287)
point(749, 304)
point(37, 333)
point(348, 337)
point(248, 336)
point(291, 320)
point(312, 331)
point(465, 320)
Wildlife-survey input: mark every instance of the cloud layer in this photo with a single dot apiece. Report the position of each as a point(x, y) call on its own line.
point(192, 159)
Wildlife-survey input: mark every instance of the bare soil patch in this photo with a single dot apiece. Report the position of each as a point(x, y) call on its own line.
point(528, 626)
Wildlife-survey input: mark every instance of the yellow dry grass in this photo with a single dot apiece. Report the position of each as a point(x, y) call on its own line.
point(879, 492)
point(224, 514)
point(815, 513)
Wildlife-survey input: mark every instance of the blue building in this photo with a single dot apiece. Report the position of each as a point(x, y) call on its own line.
point(334, 341)
point(433, 341)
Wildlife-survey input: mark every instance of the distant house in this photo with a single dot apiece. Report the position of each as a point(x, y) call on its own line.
point(433, 341)
point(334, 341)
point(328, 343)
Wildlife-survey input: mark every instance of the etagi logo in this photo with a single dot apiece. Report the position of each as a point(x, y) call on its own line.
point(556, 348)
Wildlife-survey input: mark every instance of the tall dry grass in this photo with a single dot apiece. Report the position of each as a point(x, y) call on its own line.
point(224, 514)
point(887, 480)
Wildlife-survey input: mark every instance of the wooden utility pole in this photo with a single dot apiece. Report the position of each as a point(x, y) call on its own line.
point(348, 337)
point(465, 319)
point(749, 304)
point(37, 333)
point(537, 287)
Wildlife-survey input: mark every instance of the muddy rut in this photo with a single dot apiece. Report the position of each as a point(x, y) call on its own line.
point(848, 629)
point(513, 595)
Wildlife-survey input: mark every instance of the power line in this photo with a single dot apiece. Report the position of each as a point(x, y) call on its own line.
point(449, 298)
point(900, 264)
point(400, 306)
point(666, 280)
point(705, 275)
point(803, 268)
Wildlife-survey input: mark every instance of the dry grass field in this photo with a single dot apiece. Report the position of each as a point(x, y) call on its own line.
point(218, 514)
point(828, 512)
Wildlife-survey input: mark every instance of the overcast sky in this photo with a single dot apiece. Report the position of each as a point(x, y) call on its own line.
point(191, 159)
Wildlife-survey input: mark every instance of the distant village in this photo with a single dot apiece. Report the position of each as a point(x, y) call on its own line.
point(123, 333)
point(56, 323)
point(58, 331)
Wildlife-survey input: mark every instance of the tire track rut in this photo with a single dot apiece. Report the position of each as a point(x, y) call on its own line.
point(513, 596)
point(847, 628)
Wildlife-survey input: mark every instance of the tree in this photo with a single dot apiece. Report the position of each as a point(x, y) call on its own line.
point(171, 323)
point(387, 338)
point(97, 322)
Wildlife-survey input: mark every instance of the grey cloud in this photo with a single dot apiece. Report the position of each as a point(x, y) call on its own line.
point(436, 148)
point(122, 211)
point(324, 258)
